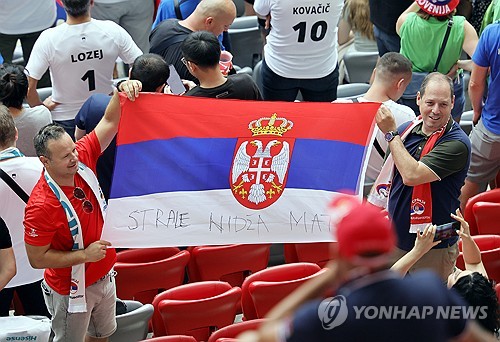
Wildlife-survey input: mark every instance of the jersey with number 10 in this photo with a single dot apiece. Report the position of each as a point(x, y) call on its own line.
point(303, 38)
point(81, 60)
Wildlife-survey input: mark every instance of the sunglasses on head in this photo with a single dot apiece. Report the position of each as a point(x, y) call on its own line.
point(87, 205)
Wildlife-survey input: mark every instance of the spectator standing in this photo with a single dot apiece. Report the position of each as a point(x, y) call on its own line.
point(13, 91)
point(25, 171)
point(80, 55)
point(152, 71)
point(134, 16)
point(301, 49)
point(384, 14)
point(423, 175)
point(24, 20)
point(485, 136)
point(170, 9)
point(63, 224)
point(422, 28)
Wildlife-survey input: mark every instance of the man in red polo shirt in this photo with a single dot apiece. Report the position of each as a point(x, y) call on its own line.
point(63, 224)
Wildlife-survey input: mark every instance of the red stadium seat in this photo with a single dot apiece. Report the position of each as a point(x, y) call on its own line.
point(195, 309)
point(231, 263)
point(233, 330)
point(487, 196)
point(489, 245)
point(315, 252)
point(487, 215)
point(264, 289)
point(143, 273)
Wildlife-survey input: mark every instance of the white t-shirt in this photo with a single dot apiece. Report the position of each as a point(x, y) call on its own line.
point(26, 171)
point(401, 114)
point(81, 59)
point(26, 16)
point(303, 39)
point(28, 124)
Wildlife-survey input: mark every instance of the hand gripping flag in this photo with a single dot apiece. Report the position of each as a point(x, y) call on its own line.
point(199, 171)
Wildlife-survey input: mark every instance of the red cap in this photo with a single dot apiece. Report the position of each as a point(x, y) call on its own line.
point(365, 236)
point(438, 8)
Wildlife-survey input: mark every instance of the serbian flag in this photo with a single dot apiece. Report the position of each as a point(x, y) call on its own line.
point(199, 171)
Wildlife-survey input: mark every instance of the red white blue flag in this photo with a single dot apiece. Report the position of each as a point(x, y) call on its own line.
point(199, 171)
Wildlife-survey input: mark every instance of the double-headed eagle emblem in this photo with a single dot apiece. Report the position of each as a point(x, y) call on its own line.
point(260, 166)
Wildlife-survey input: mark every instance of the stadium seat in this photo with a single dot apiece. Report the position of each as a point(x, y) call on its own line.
point(261, 291)
point(352, 90)
point(487, 215)
point(132, 325)
point(489, 245)
point(44, 93)
point(360, 65)
point(466, 121)
point(233, 330)
point(487, 196)
point(195, 309)
point(315, 252)
point(143, 273)
point(257, 75)
point(246, 41)
point(231, 263)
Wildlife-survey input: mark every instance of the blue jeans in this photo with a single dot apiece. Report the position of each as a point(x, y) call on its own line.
point(69, 127)
point(386, 42)
point(278, 88)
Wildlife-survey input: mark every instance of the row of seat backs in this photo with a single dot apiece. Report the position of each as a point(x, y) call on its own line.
point(489, 245)
point(482, 212)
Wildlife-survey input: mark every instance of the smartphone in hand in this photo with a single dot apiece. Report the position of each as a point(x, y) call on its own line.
point(175, 82)
point(446, 231)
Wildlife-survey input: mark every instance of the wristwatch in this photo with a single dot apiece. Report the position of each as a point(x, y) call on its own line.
point(390, 135)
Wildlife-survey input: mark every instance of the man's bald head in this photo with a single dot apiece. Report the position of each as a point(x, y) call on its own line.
point(215, 15)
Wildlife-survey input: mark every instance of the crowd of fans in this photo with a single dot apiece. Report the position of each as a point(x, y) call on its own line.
point(423, 165)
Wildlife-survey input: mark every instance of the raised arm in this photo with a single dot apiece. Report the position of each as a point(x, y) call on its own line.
point(470, 250)
point(423, 243)
point(412, 171)
point(412, 8)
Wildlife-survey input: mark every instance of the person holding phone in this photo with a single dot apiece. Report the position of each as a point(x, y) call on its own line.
point(472, 283)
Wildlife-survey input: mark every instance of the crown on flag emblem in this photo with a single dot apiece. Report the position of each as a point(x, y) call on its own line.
point(260, 166)
point(270, 126)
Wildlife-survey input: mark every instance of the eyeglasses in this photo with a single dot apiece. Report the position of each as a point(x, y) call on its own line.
point(87, 205)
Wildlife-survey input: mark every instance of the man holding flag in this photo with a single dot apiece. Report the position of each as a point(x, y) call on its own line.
point(431, 156)
point(63, 225)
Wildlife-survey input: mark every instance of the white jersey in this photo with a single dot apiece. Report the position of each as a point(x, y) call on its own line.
point(26, 16)
point(81, 60)
point(28, 123)
point(26, 172)
point(401, 114)
point(303, 38)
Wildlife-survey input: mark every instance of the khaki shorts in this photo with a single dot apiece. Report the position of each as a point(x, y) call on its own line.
point(485, 159)
point(99, 320)
point(442, 260)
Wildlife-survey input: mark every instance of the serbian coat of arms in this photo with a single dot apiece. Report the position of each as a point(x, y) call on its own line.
point(260, 164)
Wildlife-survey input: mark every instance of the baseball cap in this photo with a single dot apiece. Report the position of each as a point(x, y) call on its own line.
point(438, 8)
point(365, 236)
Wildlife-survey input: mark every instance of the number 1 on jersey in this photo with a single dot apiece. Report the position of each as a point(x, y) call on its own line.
point(90, 76)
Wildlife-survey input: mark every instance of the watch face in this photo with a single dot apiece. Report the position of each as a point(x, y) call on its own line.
point(390, 135)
